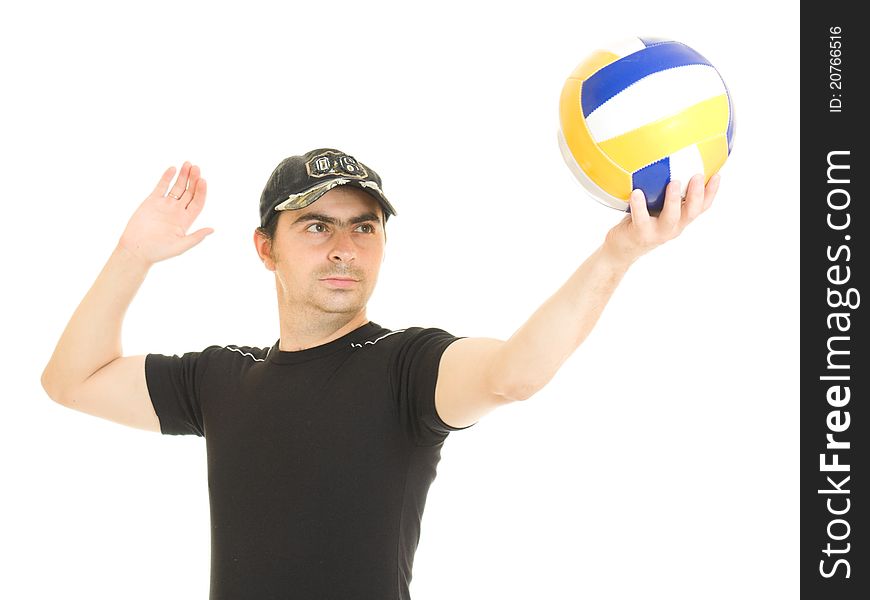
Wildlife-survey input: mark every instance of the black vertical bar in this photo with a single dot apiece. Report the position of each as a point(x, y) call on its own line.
point(835, 228)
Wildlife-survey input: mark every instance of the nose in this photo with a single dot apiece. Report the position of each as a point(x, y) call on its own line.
point(343, 249)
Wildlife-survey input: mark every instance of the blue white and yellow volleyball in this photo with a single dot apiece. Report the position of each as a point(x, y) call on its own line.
point(641, 112)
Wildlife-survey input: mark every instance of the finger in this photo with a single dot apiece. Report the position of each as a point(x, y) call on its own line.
point(163, 184)
point(197, 200)
point(187, 242)
point(710, 190)
point(191, 240)
point(637, 207)
point(181, 181)
point(670, 215)
point(192, 178)
point(694, 203)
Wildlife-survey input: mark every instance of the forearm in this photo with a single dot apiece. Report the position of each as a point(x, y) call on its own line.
point(92, 338)
point(532, 355)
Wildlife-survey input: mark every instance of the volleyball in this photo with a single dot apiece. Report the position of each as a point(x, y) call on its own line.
point(641, 112)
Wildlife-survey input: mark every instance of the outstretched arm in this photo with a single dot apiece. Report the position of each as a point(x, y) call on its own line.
point(84, 371)
point(478, 374)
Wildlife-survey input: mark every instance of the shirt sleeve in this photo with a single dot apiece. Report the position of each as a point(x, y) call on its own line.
point(175, 384)
point(414, 374)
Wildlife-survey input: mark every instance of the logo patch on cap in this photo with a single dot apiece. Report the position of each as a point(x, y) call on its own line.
point(331, 164)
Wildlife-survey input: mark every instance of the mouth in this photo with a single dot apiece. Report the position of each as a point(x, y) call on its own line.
point(341, 282)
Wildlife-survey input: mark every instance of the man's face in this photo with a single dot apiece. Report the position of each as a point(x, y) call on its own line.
point(327, 256)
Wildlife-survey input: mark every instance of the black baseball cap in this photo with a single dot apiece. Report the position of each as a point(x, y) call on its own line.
point(299, 180)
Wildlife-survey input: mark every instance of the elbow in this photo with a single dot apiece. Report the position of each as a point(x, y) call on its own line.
point(519, 391)
point(50, 386)
point(515, 387)
point(515, 384)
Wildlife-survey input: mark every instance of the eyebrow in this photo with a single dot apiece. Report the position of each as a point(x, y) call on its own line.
point(313, 216)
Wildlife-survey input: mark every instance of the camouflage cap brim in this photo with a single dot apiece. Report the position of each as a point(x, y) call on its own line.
point(309, 196)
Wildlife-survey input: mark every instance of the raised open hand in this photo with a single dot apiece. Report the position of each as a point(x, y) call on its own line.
point(158, 228)
point(639, 232)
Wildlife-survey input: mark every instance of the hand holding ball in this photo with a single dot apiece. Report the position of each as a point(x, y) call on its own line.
point(640, 113)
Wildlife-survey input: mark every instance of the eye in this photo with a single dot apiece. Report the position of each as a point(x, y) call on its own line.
point(366, 227)
point(316, 228)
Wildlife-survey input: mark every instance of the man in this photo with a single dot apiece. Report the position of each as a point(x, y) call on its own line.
point(322, 448)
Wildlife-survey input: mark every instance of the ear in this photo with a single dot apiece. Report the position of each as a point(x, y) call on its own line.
point(264, 249)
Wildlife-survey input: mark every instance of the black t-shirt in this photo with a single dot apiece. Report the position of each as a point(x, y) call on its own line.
point(319, 461)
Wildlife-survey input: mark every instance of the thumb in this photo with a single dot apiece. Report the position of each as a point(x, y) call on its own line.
point(192, 239)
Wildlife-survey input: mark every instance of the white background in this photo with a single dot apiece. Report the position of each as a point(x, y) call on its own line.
point(662, 460)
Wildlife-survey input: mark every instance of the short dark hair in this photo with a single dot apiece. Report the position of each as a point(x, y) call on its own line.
point(268, 231)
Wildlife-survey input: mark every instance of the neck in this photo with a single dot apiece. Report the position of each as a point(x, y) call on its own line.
point(300, 332)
